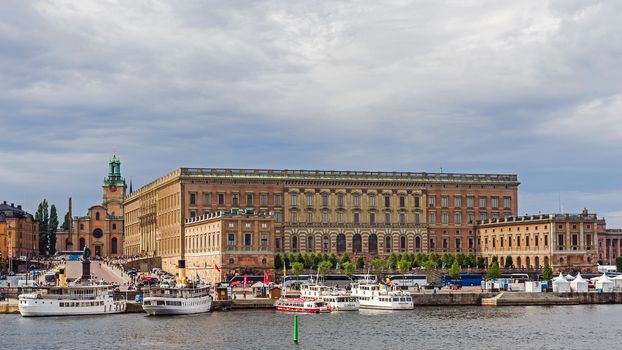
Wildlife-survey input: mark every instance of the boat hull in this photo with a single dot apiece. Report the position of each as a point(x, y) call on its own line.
point(187, 307)
point(316, 310)
point(46, 307)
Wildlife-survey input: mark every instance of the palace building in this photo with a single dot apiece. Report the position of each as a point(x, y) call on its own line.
point(101, 229)
point(563, 241)
point(358, 212)
point(223, 244)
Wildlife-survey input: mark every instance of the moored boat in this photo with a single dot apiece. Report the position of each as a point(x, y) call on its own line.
point(177, 301)
point(337, 300)
point(313, 306)
point(374, 296)
point(71, 301)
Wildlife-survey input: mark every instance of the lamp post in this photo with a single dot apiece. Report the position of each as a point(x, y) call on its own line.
point(10, 251)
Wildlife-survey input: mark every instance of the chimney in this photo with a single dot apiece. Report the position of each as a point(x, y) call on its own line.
point(19, 207)
point(12, 205)
point(4, 202)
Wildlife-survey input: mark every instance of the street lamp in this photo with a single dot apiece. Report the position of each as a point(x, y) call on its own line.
point(10, 251)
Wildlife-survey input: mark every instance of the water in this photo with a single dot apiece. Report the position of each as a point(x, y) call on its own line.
point(570, 327)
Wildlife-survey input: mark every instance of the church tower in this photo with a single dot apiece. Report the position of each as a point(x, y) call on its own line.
point(114, 188)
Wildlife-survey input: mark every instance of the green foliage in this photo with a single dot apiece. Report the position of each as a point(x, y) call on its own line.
point(392, 261)
point(348, 268)
point(316, 261)
point(419, 259)
point(547, 273)
point(481, 263)
point(333, 260)
point(460, 257)
point(52, 228)
point(278, 261)
point(454, 271)
point(360, 262)
point(299, 258)
point(404, 265)
point(297, 268)
point(42, 218)
point(469, 261)
point(65, 224)
point(287, 261)
point(493, 271)
point(434, 257)
point(308, 260)
point(344, 259)
point(324, 267)
point(619, 264)
point(429, 265)
point(495, 259)
point(377, 265)
point(447, 260)
point(509, 263)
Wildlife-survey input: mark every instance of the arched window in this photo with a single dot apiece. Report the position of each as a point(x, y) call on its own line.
point(403, 243)
point(310, 244)
point(294, 243)
point(546, 261)
point(97, 216)
point(113, 245)
point(67, 244)
point(387, 244)
point(417, 243)
point(528, 262)
point(325, 244)
point(82, 244)
point(341, 243)
point(373, 243)
point(357, 243)
point(537, 265)
point(519, 262)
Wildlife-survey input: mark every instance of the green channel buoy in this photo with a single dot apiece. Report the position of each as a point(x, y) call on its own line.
point(295, 329)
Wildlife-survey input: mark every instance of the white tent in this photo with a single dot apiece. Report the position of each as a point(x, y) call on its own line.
point(604, 283)
point(569, 277)
point(560, 285)
point(579, 285)
point(617, 282)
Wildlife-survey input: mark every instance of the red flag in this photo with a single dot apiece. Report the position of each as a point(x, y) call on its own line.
point(266, 280)
point(244, 281)
point(217, 268)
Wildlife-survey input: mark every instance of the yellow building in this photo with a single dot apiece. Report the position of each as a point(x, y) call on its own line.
point(563, 241)
point(18, 234)
point(223, 244)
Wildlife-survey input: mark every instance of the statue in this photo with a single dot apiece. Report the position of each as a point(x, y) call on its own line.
point(87, 253)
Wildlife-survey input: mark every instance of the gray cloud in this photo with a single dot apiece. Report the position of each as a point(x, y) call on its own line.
point(530, 87)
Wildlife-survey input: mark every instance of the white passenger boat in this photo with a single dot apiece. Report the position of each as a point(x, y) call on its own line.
point(374, 296)
point(313, 306)
point(70, 301)
point(177, 301)
point(338, 300)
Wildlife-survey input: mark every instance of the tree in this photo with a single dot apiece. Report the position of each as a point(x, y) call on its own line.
point(377, 266)
point(454, 271)
point(324, 267)
point(509, 263)
point(494, 272)
point(297, 268)
point(348, 268)
point(65, 225)
point(308, 260)
point(481, 263)
point(344, 259)
point(404, 265)
point(278, 261)
point(469, 261)
point(52, 228)
point(447, 260)
point(460, 257)
point(333, 260)
point(360, 262)
point(547, 273)
point(286, 260)
point(317, 259)
point(429, 266)
point(42, 218)
point(392, 261)
point(619, 264)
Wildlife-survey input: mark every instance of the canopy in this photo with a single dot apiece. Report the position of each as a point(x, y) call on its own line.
point(579, 278)
point(560, 280)
point(569, 277)
point(603, 279)
point(618, 277)
point(258, 285)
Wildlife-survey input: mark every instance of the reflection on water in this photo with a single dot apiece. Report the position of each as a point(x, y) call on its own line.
point(578, 326)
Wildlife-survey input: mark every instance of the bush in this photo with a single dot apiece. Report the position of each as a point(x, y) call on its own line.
point(619, 264)
point(297, 268)
point(547, 273)
point(360, 262)
point(493, 271)
point(454, 271)
point(324, 267)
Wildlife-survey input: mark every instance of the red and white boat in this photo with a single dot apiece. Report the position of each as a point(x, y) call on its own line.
point(313, 306)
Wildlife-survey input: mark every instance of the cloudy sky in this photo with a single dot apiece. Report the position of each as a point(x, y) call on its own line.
point(526, 87)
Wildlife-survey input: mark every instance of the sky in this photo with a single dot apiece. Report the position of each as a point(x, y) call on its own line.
point(532, 88)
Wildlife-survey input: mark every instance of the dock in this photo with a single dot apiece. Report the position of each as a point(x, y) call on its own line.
point(550, 299)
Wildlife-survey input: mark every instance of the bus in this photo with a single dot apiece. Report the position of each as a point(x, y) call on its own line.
point(408, 280)
point(50, 278)
point(465, 279)
point(291, 280)
point(365, 278)
point(517, 277)
point(69, 255)
point(238, 280)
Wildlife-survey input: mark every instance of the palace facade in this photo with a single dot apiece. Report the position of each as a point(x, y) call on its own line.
point(361, 213)
point(563, 241)
point(101, 229)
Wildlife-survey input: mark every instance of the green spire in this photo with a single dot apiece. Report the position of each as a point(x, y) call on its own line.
point(114, 173)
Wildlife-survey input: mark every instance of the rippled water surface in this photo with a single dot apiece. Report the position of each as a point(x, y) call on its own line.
point(569, 327)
